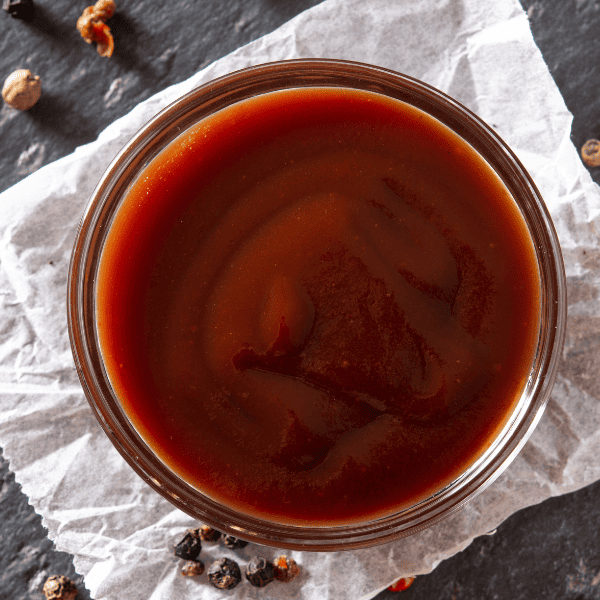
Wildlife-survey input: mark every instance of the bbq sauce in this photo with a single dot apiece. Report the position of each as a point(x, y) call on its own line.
point(318, 306)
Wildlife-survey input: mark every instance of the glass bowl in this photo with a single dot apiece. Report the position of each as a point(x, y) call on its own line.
point(193, 108)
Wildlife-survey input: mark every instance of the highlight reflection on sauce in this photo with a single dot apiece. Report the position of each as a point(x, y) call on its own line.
point(327, 305)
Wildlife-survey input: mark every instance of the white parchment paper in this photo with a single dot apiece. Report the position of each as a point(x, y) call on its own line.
point(118, 529)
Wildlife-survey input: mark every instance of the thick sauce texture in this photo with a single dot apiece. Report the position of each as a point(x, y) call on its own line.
point(318, 306)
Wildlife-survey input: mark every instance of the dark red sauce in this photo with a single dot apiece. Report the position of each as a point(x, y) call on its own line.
point(318, 306)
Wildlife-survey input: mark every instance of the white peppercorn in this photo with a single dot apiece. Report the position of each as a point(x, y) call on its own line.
point(22, 89)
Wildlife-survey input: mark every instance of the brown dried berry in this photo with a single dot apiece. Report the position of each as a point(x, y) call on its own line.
point(232, 542)
point(59, 587)
point(285, 568)
point(192, 568)
point(189, 546)
point(208, 534)
point(590, 153)
point(259, 571)
point(224, 574)
point(22, 89)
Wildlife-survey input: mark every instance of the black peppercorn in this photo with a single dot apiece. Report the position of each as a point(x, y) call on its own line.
point(232, 542)
point(190, 545)
point(19, 9)
point(224, 574)
point(259, 571)
point(208, 534)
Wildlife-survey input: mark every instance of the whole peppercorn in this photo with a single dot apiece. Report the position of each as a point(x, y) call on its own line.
point(590, 153)
point(59, 587)
point(224, 574)
point(19, 9)
point(259, 571)
point(22, 89)
point(401, 584)
point(192, 568)
point(208, 534)
point(285, 568)
point(232, 542)
point(190, 545)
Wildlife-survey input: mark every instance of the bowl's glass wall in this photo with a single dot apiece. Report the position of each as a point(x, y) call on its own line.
point(223, 92)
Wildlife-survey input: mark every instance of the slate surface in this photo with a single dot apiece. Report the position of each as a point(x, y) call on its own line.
point(157, 43)
point(545, 552)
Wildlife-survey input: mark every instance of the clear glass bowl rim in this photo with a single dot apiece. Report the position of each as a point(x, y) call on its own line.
point(209, 98)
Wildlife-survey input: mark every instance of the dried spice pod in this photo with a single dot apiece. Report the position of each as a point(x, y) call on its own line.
point(224, 574)
point(259, 571)
point(208, 534)
point(192, 568)
point(285, 568)
point(22, 89)
point(92, 27)
point(19, 9)
point(190, 546)
point(401, 584)
point(590, 153)
point(232, 542)
point(59, 587)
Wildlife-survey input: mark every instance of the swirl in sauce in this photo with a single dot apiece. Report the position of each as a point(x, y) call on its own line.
point(318, 306)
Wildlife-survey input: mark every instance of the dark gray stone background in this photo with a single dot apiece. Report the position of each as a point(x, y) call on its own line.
point(549, 551)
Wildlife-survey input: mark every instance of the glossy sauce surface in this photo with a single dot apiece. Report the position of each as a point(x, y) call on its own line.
point(318, 306)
